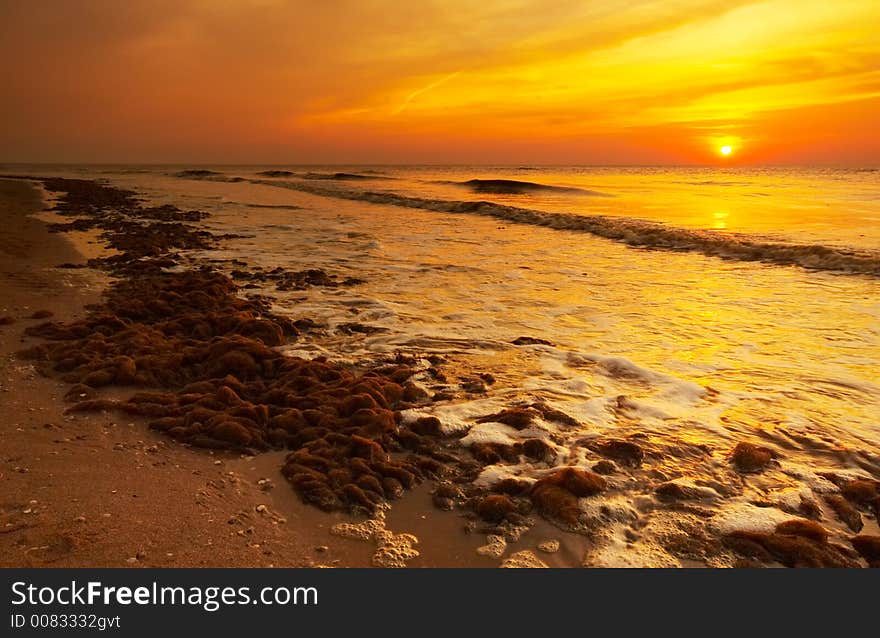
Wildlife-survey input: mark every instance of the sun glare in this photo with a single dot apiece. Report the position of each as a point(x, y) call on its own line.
point(726, 150)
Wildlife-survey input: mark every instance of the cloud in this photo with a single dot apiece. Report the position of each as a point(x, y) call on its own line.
point(232, 80)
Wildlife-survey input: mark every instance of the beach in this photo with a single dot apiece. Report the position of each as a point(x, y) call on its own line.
point(85, 490)
point(248, 371)
point(93, 490)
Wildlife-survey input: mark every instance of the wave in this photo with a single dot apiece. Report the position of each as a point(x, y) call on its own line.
point(517, 187)
point(629, 231)
point(197, 172)
point(343, 176)
point(251, 205)
point(208, 176)
point(364, 175)
point(276, 173)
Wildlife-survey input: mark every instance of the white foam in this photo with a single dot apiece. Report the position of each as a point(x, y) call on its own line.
point(629, 231)
point(455, 417)
point(491, 432)
point(493, 474)
point(745, 517)
point(818, 484)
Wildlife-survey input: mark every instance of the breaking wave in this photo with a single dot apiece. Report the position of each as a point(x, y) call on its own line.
point(343, 176)
point(629, 231)
point(366, 175)
point(196, 173)
point(517, 187)
point(275, 173)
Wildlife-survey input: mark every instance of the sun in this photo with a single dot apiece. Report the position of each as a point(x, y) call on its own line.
point(726, 150)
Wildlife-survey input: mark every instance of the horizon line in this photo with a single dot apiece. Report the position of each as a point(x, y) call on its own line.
point(451, 164)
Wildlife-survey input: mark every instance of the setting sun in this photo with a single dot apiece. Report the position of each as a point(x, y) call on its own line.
point(726, 150)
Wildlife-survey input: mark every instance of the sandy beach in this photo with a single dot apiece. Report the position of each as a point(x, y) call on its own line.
point(103, 490)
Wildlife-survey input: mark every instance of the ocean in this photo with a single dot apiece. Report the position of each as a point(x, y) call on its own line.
point(690, 309)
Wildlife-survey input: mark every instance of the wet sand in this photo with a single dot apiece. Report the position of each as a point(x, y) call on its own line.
point(87, 490)
point(193, 471)
point(103, 490)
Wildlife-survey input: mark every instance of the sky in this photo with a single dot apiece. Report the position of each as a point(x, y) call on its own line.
point(440, 81)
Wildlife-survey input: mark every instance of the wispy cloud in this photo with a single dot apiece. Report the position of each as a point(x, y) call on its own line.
point(265, 79)
point(412, 96)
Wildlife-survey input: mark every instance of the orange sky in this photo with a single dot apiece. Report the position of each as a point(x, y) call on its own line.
point(440, 81)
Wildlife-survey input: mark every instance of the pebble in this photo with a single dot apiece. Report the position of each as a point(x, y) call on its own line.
point(524, 559)
point(549, 547)
point(495, 547)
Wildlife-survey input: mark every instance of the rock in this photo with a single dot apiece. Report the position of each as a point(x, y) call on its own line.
point(492, 453)
point(352, 328)
point(577, 481)
point(845, 512)
point(554, 415)
point(524, 559)
point(512, 487)
point(495, 508)
point(495, 547)
point(605, 467)
point(530, 341)
point(473, 385)
point(413, 393)
point(868, 547)
point(519, 418)
point(803, 527)
point(625, 452)
point(861, 491)
point(675, 491)
point(790, 550)
point(549, 547)
point(427, 426)
point(749, 458)
point(538, 450)
point(556, 495)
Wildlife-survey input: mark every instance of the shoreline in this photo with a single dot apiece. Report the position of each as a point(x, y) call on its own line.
point(97, 490)
point(100, 489)
point(175, 347)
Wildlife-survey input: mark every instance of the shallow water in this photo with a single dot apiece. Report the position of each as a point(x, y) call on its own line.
point(680, 347)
